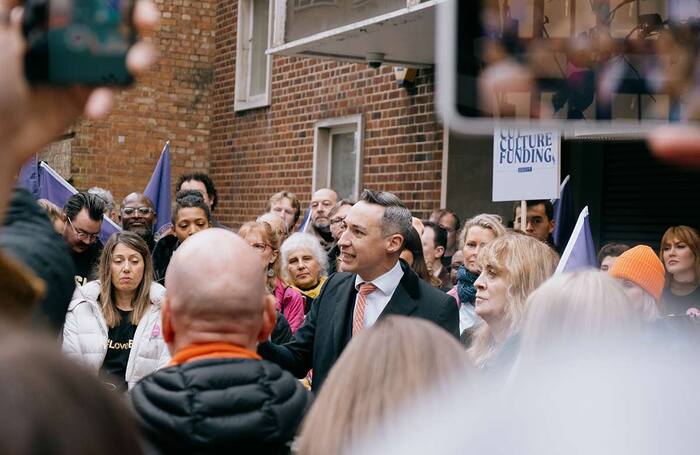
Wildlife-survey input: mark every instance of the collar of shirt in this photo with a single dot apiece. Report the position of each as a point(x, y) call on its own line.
point(386, 283)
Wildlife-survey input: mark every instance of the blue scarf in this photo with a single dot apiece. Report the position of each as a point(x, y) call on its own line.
point(465, 285)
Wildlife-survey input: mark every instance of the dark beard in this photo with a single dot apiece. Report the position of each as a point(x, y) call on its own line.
point(145, 233)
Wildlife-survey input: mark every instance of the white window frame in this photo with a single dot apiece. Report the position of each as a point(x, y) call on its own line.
point(242, 100)
point(323, 135)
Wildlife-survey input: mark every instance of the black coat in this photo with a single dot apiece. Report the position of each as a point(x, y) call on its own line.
point(29, 236)
point(328, 326)
point(162, 253)
point(220, 406)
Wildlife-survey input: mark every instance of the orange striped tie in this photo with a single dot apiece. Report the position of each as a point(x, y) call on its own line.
point(358, 321)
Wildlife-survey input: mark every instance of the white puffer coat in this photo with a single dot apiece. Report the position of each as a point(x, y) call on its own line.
point(85, 334)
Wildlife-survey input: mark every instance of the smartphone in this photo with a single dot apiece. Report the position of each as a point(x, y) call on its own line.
point(614, 67)
point(81, 42)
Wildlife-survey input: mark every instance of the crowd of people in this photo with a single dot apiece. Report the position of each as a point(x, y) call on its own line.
point(366, 331)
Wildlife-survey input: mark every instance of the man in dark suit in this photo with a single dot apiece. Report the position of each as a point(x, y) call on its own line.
point(374, 284)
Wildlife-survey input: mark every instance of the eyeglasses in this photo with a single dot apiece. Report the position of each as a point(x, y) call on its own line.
point(261, 247)
point(82, 235)
point(142, 210)
point(338, 220)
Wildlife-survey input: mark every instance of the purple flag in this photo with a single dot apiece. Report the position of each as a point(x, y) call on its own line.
point(54, 188)
point(29, 176)
point(564, 215)
point(158, 191)
point(580, 251)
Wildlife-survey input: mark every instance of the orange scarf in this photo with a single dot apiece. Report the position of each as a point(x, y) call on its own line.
point(212, 351)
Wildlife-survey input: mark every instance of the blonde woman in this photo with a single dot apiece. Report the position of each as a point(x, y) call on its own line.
point(575, 310)
point(382, 370)
point(113, 324)
point(477, 233)
point(512, 267)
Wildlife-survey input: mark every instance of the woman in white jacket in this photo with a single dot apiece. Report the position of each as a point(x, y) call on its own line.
point(113, 324)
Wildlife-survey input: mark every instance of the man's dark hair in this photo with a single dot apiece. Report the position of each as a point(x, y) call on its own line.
point(397, 218)
point(440, 237)
point(186, 199)
point(548, 207)
point(458, 223)
point(208, 184)
point(338, 205)
point(611, 249)
point(94, 204)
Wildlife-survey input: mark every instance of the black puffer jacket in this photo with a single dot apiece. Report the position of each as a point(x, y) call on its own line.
point(220, 406)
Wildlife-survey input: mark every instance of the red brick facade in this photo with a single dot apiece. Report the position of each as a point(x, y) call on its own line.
point(252, 154)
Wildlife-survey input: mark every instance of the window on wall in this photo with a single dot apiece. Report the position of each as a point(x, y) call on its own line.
point(253, 66)
point(338, 155)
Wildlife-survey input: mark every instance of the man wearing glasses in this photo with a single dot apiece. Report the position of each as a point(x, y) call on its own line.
point(83, 221)
point(138, 215)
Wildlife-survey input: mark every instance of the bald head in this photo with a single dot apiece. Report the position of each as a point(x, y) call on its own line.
point(213, 293)
point(322, 202)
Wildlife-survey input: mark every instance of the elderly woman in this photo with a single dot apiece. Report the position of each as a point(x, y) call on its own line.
point(304, 265)
point(512, 267)
point(680, 253)
point(477, 233)
point(265, 241)
point(113, 324)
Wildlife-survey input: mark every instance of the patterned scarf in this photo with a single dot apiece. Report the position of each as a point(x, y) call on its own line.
point(465, 285)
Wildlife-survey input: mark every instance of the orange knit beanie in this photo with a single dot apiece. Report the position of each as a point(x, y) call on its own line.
point(641, 266)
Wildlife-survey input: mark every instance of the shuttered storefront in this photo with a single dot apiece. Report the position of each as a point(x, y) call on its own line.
point(642, 197)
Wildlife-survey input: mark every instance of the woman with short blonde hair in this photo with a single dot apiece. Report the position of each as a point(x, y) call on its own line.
point(512, 267)
point(382, 370)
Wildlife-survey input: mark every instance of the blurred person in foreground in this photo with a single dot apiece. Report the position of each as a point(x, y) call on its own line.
point(609, 253)
point(512, 267)
point(477, 233)
point(412, 253)
point(680, 253)
point(190, 216)
point(641, 274)
point(113, 324)
point(265, 242)
point(382, 370)
point(52, 406)
point(375, 284)
point(304, 266)
point(217, 395)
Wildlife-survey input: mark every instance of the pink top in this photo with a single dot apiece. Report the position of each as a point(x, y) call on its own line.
point(453, 293)
point(290, 303)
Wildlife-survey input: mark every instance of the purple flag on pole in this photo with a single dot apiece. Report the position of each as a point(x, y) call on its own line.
point(158, 191)
point(580, 251)
point(564, 215)
point(305, 222)
point(29, 176)
point(55, 188)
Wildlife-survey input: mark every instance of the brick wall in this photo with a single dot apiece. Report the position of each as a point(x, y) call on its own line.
point(258, 152)
point(171, 102)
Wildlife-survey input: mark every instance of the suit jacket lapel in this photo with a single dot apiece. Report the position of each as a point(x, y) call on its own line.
point(344, 302)
point(405, 299)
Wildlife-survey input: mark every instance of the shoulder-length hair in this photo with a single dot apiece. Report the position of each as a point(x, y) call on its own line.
point(142, 298)
point(687, 235)
point(382, 369)
point(293, 199)
point(525, 263)
point(412, 243)
point(269, 236)
point(493, 223)
point(303, 240)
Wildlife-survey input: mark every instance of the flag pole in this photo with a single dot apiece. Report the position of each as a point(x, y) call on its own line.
point(523, 215)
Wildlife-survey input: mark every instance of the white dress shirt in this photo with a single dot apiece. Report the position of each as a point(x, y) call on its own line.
point(378, 300)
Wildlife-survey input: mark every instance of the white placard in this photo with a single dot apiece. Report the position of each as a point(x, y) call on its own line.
point(525, 164)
